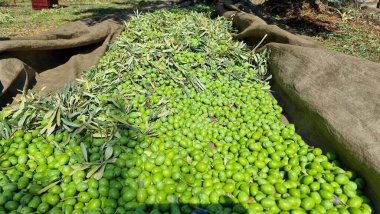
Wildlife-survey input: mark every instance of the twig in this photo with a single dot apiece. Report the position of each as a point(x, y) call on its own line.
point(262, 40)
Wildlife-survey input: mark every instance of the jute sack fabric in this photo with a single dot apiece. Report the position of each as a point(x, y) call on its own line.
point(50, 60)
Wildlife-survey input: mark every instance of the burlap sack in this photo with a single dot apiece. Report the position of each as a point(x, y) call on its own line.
point(52, 59)
point(253, 29)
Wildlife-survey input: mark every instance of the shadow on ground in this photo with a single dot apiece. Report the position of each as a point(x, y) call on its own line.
point(308, 26)
point(299, 24)
point(121, 14)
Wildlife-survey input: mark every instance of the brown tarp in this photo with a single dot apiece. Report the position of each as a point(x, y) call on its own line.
point(50, 60)
point(333, 98)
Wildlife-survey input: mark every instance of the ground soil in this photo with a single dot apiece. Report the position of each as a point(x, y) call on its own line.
point(350, 29)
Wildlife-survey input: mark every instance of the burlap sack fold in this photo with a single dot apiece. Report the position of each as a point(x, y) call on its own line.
point(52, 59)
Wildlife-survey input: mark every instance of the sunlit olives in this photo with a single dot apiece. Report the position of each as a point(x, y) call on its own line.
point(182, 125)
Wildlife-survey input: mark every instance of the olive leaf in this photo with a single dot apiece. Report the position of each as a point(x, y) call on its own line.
point(84, 151)
point(79, 167)
point(69, 123)
point(5, 130)
point(189, 159)
point(108, 153)
point(99, 174)
point(147, 153)
point(100, 135)
point(93, 170)
point(141, 183)
point(49, 187)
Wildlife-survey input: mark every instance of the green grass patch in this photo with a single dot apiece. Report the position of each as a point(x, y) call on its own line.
point(354, 41)
point(23, 20)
